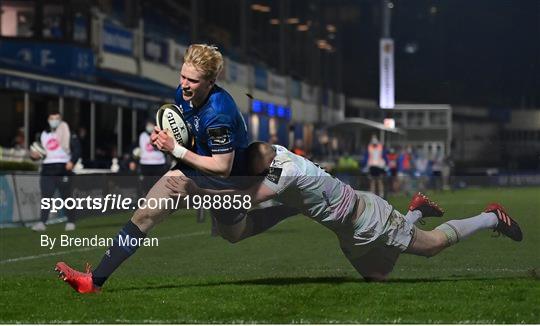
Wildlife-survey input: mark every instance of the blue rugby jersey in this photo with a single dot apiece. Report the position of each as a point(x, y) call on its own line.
point(218, 127)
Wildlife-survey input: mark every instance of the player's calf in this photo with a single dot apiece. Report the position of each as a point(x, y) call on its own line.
point(428, 243)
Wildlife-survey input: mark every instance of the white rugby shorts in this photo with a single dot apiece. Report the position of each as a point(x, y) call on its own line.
point(375, 240)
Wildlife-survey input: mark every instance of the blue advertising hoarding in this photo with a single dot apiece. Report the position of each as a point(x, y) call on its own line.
point(271, 110)
point(156, 50)
point(52, 58)
point(117, 39)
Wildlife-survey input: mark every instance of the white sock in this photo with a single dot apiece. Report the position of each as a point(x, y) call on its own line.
point(413, 216)
point(457, 230)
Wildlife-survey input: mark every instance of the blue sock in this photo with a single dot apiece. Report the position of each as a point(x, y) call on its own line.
point(117, 253)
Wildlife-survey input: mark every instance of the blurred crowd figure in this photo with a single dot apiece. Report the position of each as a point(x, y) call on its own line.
point(59, 150)
point(395, 170)
point(375, 161)
point(417, 170)
point(298, 148)
point(152, 162)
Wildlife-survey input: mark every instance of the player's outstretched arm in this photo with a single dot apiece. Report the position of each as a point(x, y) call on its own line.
point(182, 186)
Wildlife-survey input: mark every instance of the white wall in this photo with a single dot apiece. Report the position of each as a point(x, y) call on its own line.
point(267, 97)
point(118, 62)
point(238, 92)
point(303, 112)
point(160, 73)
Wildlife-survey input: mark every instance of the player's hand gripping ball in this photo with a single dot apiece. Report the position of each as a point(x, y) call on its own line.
point(169, 118)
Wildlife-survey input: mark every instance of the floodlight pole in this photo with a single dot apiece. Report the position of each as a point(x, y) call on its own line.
point(387, 6)
point(195, 11)
point(386, 17)
point(283, 45)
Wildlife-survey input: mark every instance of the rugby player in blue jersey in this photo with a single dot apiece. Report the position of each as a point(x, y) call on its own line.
point(218, 156)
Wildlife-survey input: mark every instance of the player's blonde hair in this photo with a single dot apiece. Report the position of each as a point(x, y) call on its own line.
point(205, 58)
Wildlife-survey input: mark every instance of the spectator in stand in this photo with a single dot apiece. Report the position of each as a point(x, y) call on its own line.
point(448, 165)
point(18, 140)
point(274, 139)
point(298, 148)
point(128, 161)
point(405, 169)
point(375, 162)
point(153, 163)
point(85, 145)
point(421, 171)
point(392, 158)
point(437, 167)
point(62, 152)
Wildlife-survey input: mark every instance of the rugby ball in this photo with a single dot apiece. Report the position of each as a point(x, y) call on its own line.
point(169, 117)
point(38, 148)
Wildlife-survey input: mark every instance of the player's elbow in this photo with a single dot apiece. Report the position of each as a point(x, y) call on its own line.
point(223, 171)
point(221, 165)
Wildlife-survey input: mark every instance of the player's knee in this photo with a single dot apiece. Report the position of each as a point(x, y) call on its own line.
point(144, 219)
point(232, 232)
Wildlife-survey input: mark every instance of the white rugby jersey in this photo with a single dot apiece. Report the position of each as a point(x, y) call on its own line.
point(300, 183)
point(55, 152)
point(149, 155)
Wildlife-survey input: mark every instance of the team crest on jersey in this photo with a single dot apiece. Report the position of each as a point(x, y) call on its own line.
point(274, 174)
point(196, 123)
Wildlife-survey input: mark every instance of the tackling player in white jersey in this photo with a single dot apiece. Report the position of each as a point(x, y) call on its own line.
point(371, 233)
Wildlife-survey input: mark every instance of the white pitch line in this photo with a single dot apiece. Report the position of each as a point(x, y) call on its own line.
point(13, 260)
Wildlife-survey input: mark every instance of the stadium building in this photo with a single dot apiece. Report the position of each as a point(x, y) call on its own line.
point(108, 67)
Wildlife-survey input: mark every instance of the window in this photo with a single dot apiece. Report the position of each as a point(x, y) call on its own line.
point(80, 28)
point(415, 118)
point(17, 18)
point(52, 22)
point(437, 118)
point(398, 118)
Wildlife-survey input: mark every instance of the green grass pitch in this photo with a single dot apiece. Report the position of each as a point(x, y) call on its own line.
point(294, 273)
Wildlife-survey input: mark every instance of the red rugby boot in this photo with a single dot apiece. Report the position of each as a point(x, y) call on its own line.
point(425, 205)
point(506, 225)
point(79, 281)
